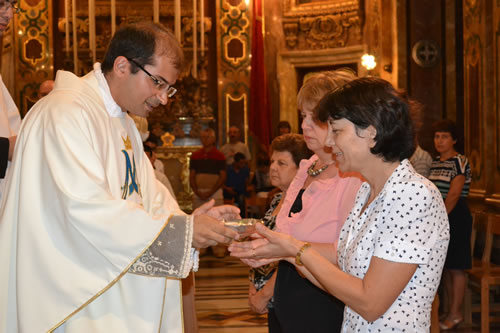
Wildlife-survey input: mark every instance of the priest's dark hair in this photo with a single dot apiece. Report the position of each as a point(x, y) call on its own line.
point(373, 102)
point(139, 42)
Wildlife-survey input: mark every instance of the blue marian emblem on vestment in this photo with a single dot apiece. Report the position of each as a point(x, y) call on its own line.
point(130, 185)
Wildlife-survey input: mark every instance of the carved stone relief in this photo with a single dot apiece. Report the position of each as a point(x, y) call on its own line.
point(320, 24)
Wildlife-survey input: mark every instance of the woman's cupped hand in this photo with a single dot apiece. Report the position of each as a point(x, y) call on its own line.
point(264, 247)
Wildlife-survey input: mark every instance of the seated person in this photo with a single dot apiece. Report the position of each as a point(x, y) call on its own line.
point(284, 127)
point(237, 179)
point(261, 180)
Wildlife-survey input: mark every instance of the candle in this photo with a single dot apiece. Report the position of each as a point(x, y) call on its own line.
point(75, 45)
point(66, 15)
point(202, 27)
point(92, 44)
point(156, 11)
point(195, 41)
point(113, 17)
point(178, 20)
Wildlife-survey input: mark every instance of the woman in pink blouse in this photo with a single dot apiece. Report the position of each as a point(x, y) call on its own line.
point(314, 210)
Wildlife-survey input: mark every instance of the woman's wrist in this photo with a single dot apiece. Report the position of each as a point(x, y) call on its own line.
point(298, 256)
point(294, 247)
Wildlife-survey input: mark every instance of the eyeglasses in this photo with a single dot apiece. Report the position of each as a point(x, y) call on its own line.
point(159, 84)
point(9, 3)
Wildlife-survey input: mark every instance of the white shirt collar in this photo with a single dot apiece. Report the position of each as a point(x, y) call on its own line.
point(113, 109)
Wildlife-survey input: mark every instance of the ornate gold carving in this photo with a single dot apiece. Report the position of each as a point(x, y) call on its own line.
point(294, 9)
point(235, 25)
point(32, 50)
point(328, 31)
point(176, 161)
point(291, 33)
point(320, 25)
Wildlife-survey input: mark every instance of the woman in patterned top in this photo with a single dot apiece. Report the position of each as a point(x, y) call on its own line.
point(287, 152)
point(451, 173)
point(388, 261)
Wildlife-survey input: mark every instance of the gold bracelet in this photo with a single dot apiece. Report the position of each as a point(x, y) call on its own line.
point(304, 247)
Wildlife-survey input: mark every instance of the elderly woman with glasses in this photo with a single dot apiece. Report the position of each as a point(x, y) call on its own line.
point(387, 264)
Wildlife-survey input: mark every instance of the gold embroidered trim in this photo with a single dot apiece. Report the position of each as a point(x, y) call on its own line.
point(163, 304)
point(112, 282)
point(182, 303)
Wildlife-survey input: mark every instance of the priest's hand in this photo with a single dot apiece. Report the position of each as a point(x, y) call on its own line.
point(224, 212)
point(209, 232)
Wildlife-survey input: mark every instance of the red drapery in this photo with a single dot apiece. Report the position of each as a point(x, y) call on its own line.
point(260, 111)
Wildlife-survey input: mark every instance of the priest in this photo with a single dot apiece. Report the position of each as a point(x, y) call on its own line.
point(90, 241)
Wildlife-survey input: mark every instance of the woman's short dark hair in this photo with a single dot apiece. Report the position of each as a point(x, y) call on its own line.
point(445, 125)
point(140, 42)
point(374, 102)
point(294, 144)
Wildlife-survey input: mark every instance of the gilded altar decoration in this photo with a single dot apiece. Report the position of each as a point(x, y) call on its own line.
point(32, 50)
point(168, 139)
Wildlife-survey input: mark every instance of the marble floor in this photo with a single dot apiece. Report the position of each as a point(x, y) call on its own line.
point(222, 303)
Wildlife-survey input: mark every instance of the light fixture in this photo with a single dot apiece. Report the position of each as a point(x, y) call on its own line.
point(368, 61)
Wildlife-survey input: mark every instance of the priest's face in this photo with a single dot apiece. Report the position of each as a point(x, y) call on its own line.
point(149, 87)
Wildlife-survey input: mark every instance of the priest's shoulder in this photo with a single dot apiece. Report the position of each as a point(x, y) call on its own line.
point(71, 96)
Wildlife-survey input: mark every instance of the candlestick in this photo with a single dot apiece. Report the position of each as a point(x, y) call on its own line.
point(75, 41)
point(202, 27)
point(178, 20)
point(195, 42)
point(92, 43)
point(113, 17)
point(156, 11)
point(66, 15)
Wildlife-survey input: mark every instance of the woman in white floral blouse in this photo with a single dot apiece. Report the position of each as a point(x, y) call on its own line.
point(390, 254)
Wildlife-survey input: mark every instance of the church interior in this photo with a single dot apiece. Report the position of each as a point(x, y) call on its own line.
point(245, 61)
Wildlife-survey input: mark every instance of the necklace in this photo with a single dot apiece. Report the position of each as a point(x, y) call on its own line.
point(313, 173)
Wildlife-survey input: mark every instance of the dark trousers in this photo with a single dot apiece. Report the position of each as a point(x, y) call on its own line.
point(300, 306)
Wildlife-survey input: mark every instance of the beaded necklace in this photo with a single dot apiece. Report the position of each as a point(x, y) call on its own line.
point(313, 173)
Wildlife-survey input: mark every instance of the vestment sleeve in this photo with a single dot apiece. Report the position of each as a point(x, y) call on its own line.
point(166, 257)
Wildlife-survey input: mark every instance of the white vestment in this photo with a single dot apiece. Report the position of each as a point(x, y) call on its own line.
point(90, 241)
point(10, 120)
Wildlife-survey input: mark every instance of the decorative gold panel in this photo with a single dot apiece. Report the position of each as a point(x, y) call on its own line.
point(33, 50)
point(233, 50)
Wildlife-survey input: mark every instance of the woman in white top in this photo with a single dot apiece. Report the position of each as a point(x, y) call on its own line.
point(388, 261)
